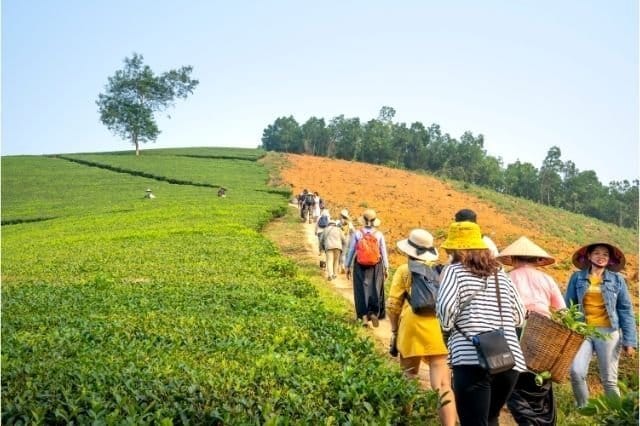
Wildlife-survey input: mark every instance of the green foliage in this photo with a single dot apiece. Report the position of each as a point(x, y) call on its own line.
point(573, 319)
point(121, 310)
point(613, 410)
point(134, 94)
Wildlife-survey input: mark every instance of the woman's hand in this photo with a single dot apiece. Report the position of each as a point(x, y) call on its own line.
point(629, 350)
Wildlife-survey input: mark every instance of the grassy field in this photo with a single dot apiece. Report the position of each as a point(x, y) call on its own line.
point(177, 310)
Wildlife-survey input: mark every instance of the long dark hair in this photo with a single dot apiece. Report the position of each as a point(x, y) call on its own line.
point(478, 261)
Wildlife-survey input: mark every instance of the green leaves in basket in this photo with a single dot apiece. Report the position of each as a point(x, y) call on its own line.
point(573, 319)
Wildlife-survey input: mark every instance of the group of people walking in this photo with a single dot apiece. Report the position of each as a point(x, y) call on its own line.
point(477, 295)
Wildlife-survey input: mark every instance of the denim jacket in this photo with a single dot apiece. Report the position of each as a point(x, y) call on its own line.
point(616, 299)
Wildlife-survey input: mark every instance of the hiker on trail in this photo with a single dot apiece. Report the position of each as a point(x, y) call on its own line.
point(306, 206)
point(468, 215)
point(321, 223)
point(367, 258)
point(477, 296)
point(317, 209)
point(529, 403)
point(604, 300)
point(347, 229)
point(149, 194)
point(416, 337)
point(331, 240)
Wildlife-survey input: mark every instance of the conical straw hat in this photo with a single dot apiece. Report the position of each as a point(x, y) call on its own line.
point(524, 247)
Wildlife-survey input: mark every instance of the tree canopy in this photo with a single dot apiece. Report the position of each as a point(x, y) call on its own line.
point(416, 147)
point(135, 93)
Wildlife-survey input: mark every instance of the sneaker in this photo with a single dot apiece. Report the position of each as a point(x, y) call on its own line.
point(365, 321)
point(374, 320)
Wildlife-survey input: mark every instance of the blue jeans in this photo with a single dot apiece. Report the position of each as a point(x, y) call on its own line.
point(608, 353)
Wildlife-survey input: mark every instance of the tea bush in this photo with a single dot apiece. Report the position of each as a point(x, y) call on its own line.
point(174, 310)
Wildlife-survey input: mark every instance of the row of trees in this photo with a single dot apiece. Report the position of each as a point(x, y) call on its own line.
point(416, 147)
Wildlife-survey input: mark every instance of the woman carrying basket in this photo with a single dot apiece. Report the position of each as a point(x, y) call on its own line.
point(475, 297)
point(529, 403)
point(604, 300)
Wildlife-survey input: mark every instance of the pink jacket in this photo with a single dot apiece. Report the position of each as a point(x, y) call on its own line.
point(537, 290)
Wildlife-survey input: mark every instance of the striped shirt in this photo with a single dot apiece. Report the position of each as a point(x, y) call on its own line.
point(482, 314)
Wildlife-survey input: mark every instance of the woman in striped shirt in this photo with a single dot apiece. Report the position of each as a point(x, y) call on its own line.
point(467, 302)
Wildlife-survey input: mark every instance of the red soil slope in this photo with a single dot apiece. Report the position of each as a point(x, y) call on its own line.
point(404, 201)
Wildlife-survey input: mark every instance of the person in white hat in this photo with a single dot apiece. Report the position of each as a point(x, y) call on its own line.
point(346, 226)
point(149, 194)
point(530, 403)
point(603, 296)
point(417, 337)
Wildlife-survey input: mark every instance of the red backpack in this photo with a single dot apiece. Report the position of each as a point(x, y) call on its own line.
point(367, 249)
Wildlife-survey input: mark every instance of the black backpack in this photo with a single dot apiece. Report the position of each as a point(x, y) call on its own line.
point(308, 199)
point(424, 288)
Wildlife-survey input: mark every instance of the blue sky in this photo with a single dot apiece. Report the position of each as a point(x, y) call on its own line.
point(527, 75)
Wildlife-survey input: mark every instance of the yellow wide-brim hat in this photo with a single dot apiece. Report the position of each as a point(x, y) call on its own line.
point(524, 247)
point(617, 260)
point(464, 236)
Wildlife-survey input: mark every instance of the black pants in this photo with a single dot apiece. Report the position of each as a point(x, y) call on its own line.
point(479, 395)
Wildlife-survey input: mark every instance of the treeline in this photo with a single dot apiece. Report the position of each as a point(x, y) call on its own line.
point(556, 182)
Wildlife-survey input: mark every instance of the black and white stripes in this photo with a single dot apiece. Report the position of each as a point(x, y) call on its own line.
point(481, 314)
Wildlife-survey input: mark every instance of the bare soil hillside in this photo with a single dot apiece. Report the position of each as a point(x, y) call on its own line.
point(406, 200)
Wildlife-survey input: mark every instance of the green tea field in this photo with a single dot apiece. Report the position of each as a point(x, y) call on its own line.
point(176, 310)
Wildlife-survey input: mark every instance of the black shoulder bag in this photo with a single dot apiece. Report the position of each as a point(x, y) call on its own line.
point(494, 353)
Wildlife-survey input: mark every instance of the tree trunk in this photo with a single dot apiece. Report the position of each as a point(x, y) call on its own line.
point(134, 139)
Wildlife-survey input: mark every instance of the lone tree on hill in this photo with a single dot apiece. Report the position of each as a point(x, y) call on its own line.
point(134, 93)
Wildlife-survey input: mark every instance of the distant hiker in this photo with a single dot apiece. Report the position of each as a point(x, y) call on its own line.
point(368, 259)
point(603, 296)
point(306, 211)
point(347, 229)
point(149, 194)
point(416, 337)
point(530, 403)
point(222, 192)
point(316, 206)
point(467, 305)
point(321, 223)
point(331, 240)
point(468, 215)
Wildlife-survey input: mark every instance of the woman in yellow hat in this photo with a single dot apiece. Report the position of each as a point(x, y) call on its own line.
point(603, 296)
point(417, 337)
point(468, 305)
point(530, 403)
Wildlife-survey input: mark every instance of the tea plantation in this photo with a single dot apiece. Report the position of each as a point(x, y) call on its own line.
point(176, 310)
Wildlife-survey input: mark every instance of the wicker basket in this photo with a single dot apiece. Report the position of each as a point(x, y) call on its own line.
point(549, 346)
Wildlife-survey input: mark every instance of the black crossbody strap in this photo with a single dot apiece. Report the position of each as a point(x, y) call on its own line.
point(466, 303)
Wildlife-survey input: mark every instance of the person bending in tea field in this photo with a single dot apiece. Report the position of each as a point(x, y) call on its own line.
point(367, 257)
point(604, 300)
point(529, 403)
point(477, 296)
point(416, 337)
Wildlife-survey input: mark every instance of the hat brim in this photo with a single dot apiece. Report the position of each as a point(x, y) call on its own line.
point(406, 248)
point(542, 261)
point(376, 221)
point(616, 257)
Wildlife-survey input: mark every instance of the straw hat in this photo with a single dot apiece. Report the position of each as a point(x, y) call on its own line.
point(524, 247)
point(464, 236)
point(368, 216)
point(616, 257)
point(345, 213)
point(419, 245)
point(148, 190)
